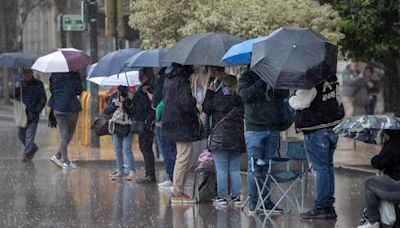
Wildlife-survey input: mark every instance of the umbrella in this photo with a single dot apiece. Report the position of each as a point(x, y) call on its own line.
point(148, 58)
point(367, 128)
point(294, 58)
point(62, 60)
point(201, 49)
point(130, 78)
point(113, 63)
point(241, 53)
point(17, 60)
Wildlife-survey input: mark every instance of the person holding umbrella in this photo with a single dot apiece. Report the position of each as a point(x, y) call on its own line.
point(143, 112)
point(318, 111)
point(34, 97)
point(64, 88)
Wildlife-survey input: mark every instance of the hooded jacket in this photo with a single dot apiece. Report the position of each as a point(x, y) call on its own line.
point(180, 117)
point(228, 135)
point(388, 160)
point(64, 88)
point(33, 96)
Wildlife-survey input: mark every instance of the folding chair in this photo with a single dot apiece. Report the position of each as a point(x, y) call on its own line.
point(197, 172)
point(288, 177)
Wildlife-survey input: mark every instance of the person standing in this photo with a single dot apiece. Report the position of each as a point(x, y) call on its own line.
point(263, 109)
point(353, 90)
point(227, 137)
point(180, 123)
point(373, 89)
point(64, 88)
point(318, 111)
point(166, 147)
point(143, 111)
point(120, 109)
point(34, 97)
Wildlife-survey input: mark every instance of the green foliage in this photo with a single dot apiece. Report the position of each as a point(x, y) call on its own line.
point(371, 27)
point(163, 22)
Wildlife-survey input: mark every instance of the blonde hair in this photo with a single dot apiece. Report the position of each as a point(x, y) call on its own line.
point(231, 82)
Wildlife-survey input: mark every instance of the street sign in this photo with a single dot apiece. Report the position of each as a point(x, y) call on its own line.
point(73, 23)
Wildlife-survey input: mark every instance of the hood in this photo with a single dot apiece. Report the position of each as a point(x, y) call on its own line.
point(393, 134)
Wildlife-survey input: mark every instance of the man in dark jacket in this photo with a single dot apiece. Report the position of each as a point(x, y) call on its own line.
point(180, 123)
point(263, 110)
point(318, 111)
point(34, 97)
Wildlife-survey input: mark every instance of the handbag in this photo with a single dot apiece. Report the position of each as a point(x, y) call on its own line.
point(100, 125)
point(120, 124)
point(387, 212)
point(21, 119)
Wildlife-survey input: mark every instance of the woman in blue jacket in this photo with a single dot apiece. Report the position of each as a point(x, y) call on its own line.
point(64, 88)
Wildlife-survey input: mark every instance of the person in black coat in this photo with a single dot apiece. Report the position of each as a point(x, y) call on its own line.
point(34, 97)
point(226, 109)
point(386, 187)
point(180, 123)
point(143, 111)
point(64, 88)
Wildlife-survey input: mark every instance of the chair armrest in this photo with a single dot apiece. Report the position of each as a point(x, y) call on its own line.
point(280, 159)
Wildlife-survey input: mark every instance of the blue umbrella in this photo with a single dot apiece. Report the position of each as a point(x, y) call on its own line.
point(113, 63)
point(241, 53)
point(17, 60)
point(148, 58)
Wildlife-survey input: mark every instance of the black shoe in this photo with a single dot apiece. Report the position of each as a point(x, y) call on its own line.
point(252, 207)
point(269, 205)
point(146, 180)
point(25, 159)
point(320, 213)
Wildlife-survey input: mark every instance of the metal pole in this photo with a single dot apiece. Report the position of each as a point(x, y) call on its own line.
point(116, 26)
point(63, 38)
point(94, 90)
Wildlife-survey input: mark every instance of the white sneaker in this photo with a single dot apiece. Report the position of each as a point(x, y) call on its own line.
point(167, 183)
point(68, 166)
point(167, 189)
point(369, 225)
point(56, 161)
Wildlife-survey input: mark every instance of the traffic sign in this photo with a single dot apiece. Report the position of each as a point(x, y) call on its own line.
point(73, 23)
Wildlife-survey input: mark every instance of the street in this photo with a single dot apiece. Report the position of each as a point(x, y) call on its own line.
point(39, 194)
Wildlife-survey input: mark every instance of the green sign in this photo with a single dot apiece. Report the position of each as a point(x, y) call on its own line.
point(73, 23)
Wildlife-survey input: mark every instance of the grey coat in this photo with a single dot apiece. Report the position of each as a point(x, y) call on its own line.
point(351, 82)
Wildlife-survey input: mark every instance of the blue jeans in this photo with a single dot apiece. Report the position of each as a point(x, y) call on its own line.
point(123, 152)
point(227, 163)
point(27, 137)
point(167, 150)
point(265, 145)
point(320, 146)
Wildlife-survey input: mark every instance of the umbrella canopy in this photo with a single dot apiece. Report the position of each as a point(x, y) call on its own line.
point(241, 53)
point(130, 78)
point(367, 128)
point(62, 60)
point(113, 63)
point(148, 58)
point(294, 58)
point(201, 49)
point(17, 60)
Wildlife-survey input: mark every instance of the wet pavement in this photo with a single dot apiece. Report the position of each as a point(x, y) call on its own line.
point(39, 194)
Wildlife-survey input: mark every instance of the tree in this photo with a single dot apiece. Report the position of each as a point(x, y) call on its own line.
point(163, 26)
point(372, 33)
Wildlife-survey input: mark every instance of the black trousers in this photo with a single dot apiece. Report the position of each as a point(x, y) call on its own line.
point(146, 146)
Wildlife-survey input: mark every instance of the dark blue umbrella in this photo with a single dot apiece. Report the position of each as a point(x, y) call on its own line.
point(294, 58)
point(148, 58)
point(114, 63)
point(17, 60)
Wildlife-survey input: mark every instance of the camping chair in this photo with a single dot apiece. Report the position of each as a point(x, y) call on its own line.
point(197, 172)
point(289, 177)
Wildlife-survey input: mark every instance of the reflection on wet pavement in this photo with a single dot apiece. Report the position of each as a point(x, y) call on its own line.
point(39, 194)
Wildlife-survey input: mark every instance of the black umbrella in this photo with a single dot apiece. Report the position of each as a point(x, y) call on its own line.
point(17, 60)
point(294, 58)
point(201, 49)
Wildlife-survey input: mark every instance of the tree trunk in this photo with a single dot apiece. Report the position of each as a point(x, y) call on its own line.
point(391, 90)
